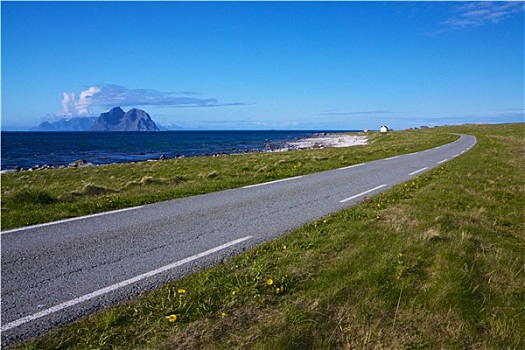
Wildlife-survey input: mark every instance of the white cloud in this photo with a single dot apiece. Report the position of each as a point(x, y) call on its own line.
point(71, 107)
point(477, 14)
point(109, 96)
point(68, 104)
point(83, 106)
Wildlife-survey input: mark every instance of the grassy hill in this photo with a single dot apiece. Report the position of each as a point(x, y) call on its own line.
point(434, 263)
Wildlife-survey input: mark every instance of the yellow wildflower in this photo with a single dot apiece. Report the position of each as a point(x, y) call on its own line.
point(269, 282)
point(284, 246)
point(172, 318)
point(224, 314)
point(234, 292)
point(181, 291)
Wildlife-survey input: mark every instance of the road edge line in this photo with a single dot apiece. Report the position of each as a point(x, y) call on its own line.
point(118, 285)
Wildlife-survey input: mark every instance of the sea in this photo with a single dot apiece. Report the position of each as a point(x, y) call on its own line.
point(32, 149)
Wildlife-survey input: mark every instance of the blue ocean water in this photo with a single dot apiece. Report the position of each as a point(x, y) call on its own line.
point(29, 149)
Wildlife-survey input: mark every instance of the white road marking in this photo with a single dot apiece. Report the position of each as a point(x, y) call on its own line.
point(442, 161)
point(391, 158)
point(418, 171)
point(116, 286)
point(362, 193)
point(351, 166)
point(273, 182)
point(68, 220)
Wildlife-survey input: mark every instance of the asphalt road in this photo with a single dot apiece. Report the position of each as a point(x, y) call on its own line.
point(55, 273)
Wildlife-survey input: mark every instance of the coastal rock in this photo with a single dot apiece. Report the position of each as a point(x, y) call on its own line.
point(132, 120)
point(43, 167)
point(81, 163)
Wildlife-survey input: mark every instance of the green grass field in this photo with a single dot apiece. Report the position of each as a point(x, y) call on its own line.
point(434, 263)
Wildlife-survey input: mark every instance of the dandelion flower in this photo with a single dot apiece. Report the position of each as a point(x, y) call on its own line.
point(277, 290)
point(224, 314)
point(284, 246)
point(181, 291)
point(325, 221)
point(172, 318)
point(234, 292)
point(269, 282)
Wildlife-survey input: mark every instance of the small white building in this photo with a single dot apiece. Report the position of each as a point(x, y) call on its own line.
point(383, 128)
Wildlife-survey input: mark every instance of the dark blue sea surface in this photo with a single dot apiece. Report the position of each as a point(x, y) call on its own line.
point(29, 149)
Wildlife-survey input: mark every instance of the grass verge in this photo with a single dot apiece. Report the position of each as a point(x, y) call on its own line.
point(437, 262)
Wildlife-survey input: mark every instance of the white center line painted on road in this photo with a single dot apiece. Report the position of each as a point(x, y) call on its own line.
point(116, 286)
point(362, 193)
point(273, 182)
point(70, 219)
point(351, 166)
point(418, 171)
point(442, 161)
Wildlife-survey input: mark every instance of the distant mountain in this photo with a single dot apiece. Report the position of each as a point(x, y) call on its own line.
point(116, 120)
point(73, 124)
point(171, 127)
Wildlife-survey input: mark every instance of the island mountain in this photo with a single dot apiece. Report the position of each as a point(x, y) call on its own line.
point(132, 120)
point(72, 124)
point(113, 120)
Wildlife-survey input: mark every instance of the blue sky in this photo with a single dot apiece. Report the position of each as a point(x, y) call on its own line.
point(265, 65)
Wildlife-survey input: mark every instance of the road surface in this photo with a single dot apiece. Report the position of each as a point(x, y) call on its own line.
point(54, 273)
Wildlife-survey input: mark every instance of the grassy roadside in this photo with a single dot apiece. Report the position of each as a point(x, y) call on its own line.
point(437, 262)
point(37, 197)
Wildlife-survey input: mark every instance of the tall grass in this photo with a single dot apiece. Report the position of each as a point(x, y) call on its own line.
point(434, 263)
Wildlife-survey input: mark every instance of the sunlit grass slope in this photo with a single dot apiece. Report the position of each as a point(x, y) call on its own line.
point(434, 263)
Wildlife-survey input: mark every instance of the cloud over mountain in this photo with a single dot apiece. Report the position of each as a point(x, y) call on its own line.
point(71, 107)
point(112, 95)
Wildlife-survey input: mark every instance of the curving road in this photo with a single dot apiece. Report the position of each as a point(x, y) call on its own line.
point(54, 273)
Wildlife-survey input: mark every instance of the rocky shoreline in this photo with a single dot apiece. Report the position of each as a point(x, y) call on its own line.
point(316, 141)
point(325, 140)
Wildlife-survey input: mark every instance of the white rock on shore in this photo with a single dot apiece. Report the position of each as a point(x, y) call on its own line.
point(328, 140)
